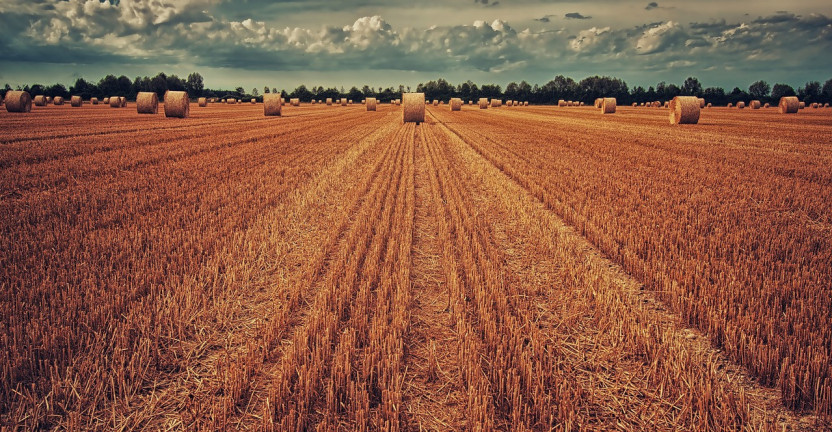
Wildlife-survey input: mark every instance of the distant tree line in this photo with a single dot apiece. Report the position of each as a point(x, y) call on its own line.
point(561, 87)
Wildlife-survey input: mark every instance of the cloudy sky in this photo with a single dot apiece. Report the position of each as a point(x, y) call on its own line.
point(283, 43)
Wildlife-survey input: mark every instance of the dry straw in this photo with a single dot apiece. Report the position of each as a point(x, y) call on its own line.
point(710, 105)
point(456, 104)
point(526, 103)
point(272, 104)
point(755, 104)
point(18, 101)
point(94, 101)
point(684, 110)
point(802, 105)
point(147, 103)
point(48, 100)
point(115, 102)
point(789, 104)
point(414, 107)
point(730, 105)
point(767, 105)
point(76, 101)
point(608, 105)
point(371, 104)
point(701, 103)
point(740, 105)
point(105, 101)
point(123, 101)
point(58, 100)
point(329, 101)
point(343, 102)
point(203, 102)
point(253, 101)
point(39, 100)
point(496, 103)
point(599, 102)
point(177, 104)
point(483, 102)
point(295, 102)
point(814, 105)
point(635, 104)
point(231, 101)
point(561, 103)
point(435, 102)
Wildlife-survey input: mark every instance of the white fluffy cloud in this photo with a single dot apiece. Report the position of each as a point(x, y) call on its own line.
point(170, 31)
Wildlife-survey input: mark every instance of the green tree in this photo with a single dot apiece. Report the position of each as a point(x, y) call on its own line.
point(759, 90)
point(781, 90)
point(194, 85)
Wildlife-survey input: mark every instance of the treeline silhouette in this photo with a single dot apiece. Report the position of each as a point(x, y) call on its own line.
point(561, 87)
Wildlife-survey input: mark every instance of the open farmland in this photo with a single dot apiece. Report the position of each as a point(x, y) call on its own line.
point(514, 268)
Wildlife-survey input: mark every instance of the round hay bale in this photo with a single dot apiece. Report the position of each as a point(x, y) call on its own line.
point(730, 105)
point(435, 102)
point(483, 102)
point(456, 104)
point(740, 105)
point(314, 102)
point(231, 101)
point(526, 103)
point(815, 105)
point(496, 103)
point(608, 105)
point(470, 102)
point(414, 107)
point(684, 110)
point(115, 102)
point(18, 101)
point(710, 105)
point(641, 104)
point(701, 103)
point(94, 101)
point(667, 104)
point(147, 103)
point(76, 101)
point(580, 104)
point(789, 104)
point(295, 102)
point(177, 104)
point(272, 104)
point(371, 104)
point(58, 100)
point(826, 105)
point(599, 102)
point(767, 105)
point(349, 102)
point(105, 101)
point(39, 100)
point(635, 104)
point(329, 101)
point(343, 102)
point(203, 102)
point(561, 103)
point(801, 105)
point(123, 101)
point(253, 101)
point(48, 100)
point(755, 104)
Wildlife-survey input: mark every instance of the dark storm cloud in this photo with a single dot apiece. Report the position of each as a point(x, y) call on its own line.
point(576, 15)
point(194, 32)
point(651, 6)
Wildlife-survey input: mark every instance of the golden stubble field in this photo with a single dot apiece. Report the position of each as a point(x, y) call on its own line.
point(517, 268)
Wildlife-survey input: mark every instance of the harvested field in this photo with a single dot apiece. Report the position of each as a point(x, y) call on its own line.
point(537, 269)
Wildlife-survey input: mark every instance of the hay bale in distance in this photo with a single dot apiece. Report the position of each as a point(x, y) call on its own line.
point(414, 107)
point(177, 104)
point(684, 110)
point(740, 105)
point(495, 103)
point(123, 101)
point(456, 104)
point(76, 101)
point(115, 102)
point(730, 105)
point(710, 105)
point(815, 105)
point(94, 101)
point(343, 102)
point(371, 103)
point(608, 105)
point(483, 103)
point(39, 100)
point(18, 101)
point(295, 102)
point(253, 101)
point(755, 104)
point(767, 105)
point(801, 105)
point(58, 100)
point(272, 104)
point(635, 104)
point(599, 102)
point(789, 104)
point(147, 103)
point(561, 103)
point(329, 101)
point(203, 102)
point(701, 103)
point(105, 101)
